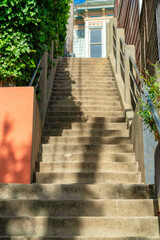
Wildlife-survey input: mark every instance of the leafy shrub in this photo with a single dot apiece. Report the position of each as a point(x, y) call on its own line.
point(153, 88)
point(26, 26)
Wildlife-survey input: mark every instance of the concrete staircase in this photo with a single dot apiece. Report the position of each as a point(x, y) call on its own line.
point(88, 186)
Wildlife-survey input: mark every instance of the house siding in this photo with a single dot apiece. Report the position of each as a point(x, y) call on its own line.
point(79, 46)
point(128, 19)
point(148, 34)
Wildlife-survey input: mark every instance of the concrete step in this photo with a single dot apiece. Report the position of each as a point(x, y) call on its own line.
point(83, 98)
point(83, 108)
point(87, 177)
point(89, 126)
point(83, 79)
point(84, 88)
point(99, 65)
point(83, 75)
point(86, 133)
point(86, 103)
point(99, 148)
point(85, 93)
point(64, 208)
point(79, 226)
point(79, 238)
point(69, 84)
point(87, 114)
point(86, 140)
point(89, 120)
point(76, 191)
point(88, 77)
point(84, 69)
point(86, 73)
point(80, 60)
point(87, 157)
point(88, 167)
point(82, 64)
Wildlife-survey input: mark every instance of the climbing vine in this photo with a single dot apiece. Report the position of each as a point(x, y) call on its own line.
point(26, 28)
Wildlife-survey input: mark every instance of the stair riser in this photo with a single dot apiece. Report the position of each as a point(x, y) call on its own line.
point(77, 238)
point(87, 133)
point(72, 178)
point(84, 79)
point(84, 89)
point(81, 98)
point(83, 104)
point(80, 226)
point(85, 109)
point(86, 115)
point(88, 167)
point(85, 140)
point(84, 76)
point(83, 70)
point(106, 208)
point(89, 126)
point(66, 85)
point(86, 64)
point(49, 148)
point(84, 94)
point(87, 157)
point(75, 192)
point(89, 120)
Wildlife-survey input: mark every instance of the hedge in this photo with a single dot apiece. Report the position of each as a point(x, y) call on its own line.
point(26, 26)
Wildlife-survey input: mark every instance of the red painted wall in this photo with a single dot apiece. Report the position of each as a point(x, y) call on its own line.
point(16, 123)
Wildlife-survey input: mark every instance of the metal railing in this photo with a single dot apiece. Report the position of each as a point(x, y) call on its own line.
point(131, 75)
point(35, 73)
point(41, 83)
point(114, 41)
point(144, 91)
point(122, 55)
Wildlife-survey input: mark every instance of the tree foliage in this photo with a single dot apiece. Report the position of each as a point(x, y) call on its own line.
point(26, 26)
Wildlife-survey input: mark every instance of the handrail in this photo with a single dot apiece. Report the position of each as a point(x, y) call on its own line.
point(122, 42)
point(136, 69)
point(34, 74)
point(146, 94)
point(138, 73)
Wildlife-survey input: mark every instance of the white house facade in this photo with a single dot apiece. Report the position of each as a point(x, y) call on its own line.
point(90, 28)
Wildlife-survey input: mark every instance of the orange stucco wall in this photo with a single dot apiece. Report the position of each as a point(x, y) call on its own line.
point(16, 123)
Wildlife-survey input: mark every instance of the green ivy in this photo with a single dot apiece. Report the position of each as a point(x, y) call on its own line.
point(26, 26)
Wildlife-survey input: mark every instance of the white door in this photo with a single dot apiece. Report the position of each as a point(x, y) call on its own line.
point(95, 45)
